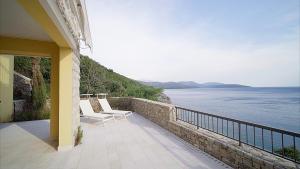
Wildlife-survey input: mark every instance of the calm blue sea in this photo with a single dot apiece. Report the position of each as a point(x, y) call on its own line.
point(271, 106)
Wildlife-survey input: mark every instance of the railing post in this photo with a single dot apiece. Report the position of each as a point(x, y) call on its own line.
point(294, 147)
point(208, 122)
point(176, 113)
point(197, 120)
point(239, 134)
point(282, 145)
point(272, 141)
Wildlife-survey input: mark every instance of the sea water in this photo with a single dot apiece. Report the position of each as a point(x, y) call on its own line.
point(277, 107)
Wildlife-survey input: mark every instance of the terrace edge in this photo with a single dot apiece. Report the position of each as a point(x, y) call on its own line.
point(222, 148)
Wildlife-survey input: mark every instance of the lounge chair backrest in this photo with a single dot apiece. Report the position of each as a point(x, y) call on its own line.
point(86, 107)
point(105, 105)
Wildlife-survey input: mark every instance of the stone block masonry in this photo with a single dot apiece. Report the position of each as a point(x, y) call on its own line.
point(222, 148)
point(75, 94)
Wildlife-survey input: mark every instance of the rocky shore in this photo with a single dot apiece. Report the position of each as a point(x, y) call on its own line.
point(164, 98)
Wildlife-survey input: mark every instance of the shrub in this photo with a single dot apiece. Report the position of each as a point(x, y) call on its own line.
point(37, 69)
point(79, 136)
point(43, 115)
point(28, 116)
point(39, 91)
point(289, 152)
point(24, 116)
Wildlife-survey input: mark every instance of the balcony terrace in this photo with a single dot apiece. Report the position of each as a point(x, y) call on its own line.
point(132, 143)
point(150, 138)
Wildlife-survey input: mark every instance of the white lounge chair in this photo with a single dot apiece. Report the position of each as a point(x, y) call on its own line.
point(88, 112)
point(107, 109)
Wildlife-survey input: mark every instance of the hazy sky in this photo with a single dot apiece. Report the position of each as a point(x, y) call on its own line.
point(251, 42)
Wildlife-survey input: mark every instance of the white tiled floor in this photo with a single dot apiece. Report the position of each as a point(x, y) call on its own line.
point(135, 143)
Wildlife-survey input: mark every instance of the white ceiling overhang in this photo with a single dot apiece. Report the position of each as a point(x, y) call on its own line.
point(16, 22)
point(54, 13)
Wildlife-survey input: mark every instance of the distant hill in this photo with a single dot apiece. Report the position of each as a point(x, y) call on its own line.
point(172, 85)
point(220, 85)
point(191, 84)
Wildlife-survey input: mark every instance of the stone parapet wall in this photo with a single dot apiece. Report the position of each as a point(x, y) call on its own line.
point(120, 103)
point(222, 148)
point(75, 93)
point(228, 150)
point(159, 113)
point(22, 86)
point(19, 106)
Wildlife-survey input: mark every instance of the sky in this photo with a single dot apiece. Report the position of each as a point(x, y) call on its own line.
point(250, 42)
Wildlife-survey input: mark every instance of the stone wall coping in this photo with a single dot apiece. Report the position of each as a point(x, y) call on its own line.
point(146, 100)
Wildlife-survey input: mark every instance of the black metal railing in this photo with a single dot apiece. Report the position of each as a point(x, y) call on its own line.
point(285, 144)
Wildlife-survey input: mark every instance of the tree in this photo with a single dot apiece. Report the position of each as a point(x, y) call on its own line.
point(91, 77)
point(39, 92)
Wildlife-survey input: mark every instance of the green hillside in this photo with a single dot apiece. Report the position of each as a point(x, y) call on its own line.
point(94, 78)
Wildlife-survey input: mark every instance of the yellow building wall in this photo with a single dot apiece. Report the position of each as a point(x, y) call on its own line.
point(6, 87)
point(65, 99)
point(17, 46)
point(61, 123)
point(54, 89)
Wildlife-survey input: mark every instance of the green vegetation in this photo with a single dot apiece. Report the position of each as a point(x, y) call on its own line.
point(289, 152)
point(95, 78)
point(37, 69)
point(23, 65)
point(27, 116)
point(39, 94)
point(79, 136)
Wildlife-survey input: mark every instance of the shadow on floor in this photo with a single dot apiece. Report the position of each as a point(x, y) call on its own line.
point(39, 129)
point(4, 125)
point(89, 120)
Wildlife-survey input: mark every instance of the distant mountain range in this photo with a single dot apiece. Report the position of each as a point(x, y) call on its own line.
point(190, 84)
